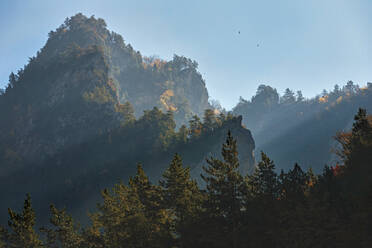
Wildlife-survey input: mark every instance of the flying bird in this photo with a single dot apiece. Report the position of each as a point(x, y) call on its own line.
point(239, 32)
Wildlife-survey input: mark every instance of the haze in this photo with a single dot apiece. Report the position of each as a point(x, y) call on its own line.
point(306, 45)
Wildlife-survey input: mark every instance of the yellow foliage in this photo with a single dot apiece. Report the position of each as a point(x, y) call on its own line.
point(323, 99)
point(339, 99)
point(158, 63)
point(165, 100)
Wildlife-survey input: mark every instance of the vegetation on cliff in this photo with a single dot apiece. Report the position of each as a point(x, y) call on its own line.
point(290, 128)
point(292, 209)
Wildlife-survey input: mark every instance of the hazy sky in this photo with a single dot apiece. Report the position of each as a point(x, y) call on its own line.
point(303, 44)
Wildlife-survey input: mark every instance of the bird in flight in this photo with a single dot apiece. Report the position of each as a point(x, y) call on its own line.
point(239, 32)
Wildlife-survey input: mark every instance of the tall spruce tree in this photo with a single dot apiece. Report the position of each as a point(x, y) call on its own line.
point(264, 180)
point(293, 184)
point(65, 233)
point(182, 198)
point(150, 196)
point(22, 232)
point(224, 182)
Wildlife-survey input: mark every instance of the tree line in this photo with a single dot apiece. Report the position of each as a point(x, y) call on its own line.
point(265, 209)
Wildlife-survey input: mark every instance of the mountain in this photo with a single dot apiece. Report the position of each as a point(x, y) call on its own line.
point(74, 176)
point(292, 129)
point(143, 81)
point(83, 112)
point(82, 67)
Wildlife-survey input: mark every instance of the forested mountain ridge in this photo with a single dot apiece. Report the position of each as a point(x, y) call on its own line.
point(49, 106)
point(293, 209)
point(74, 176)
point(83, 112)
point(290, 128)
point(79, 85)
point(143, 81)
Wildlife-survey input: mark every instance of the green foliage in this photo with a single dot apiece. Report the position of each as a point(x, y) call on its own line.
point(131, 216)
point(264, 180)
point(65, 233)
point(99, 95)
point(209, 120)
point(224, 183)
point(22, 232)
point(294, 209)
point(276, 124)
point(182, 198)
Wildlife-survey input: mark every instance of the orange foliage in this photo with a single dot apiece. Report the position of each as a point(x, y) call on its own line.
point(337, 169)
point(151, 62)
point(323, 99)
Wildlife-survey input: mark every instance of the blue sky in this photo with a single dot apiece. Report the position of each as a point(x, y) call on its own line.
point(307, 45)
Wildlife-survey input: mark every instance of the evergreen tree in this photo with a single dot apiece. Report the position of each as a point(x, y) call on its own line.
point(224, 184)
point(183, 134)
point(264, 180)
point(209, 120)
point(293, 184)
point(299, 96)
point(22, 229)
point(182, 197)
point(361, 127)
point(195, 126)
point(65, 233)
point(3, 237)
point(288, 97)
point(151, 198)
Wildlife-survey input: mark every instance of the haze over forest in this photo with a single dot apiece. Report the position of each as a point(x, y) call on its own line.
point(304, 45)
point(160, 154)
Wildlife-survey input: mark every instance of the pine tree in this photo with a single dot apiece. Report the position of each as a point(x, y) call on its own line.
point(150, 196)
point(3, 237)
point(224, 183)
point(130, 216)
point(181, 193)
point(293, 184)
point(182, 197)
point(22, 229)
point(362, 130)
point(183, 134)
point(65, 232)
point(288, 97)
point(195, 126)
point(209, 120)
point(264, 180)
point(299, 96)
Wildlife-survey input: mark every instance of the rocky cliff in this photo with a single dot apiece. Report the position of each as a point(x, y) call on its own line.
point(81, 114)
point(79, 85)
point(145, 82)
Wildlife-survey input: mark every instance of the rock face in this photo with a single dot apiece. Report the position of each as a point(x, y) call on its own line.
point(68, 126)
point(58, 104)
point(245, 142)
point(145, 82)
point(73, 88)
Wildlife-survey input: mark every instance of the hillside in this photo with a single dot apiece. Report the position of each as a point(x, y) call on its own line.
point(295, 208)
point(143, 81)
point(83, 112)
point(84, 67)
point(290, 128)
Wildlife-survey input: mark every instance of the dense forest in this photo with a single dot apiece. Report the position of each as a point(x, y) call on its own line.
point(264, 209)
point(85, 69)
point(74, 176)
point(91, 125)
point(277, 120)
point(88, 107)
